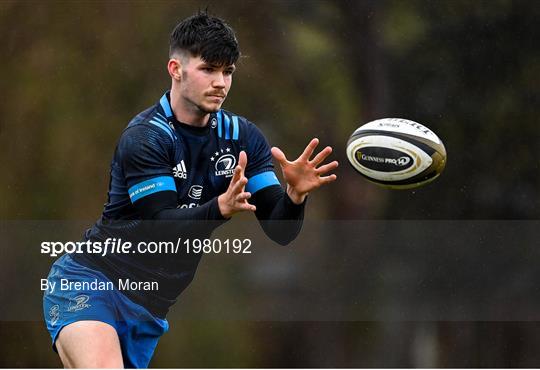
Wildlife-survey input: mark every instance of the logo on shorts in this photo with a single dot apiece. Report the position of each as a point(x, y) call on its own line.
point(54, 313)
point(78, 303)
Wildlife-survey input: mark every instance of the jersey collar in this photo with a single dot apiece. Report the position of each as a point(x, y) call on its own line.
point(166, 105)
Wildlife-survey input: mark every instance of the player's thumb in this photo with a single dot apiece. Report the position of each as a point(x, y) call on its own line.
point(279, 155)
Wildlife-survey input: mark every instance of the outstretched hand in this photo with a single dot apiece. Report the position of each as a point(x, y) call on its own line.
point(303, 175)
point(235, 199)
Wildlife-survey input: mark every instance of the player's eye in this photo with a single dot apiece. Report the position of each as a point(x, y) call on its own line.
point(229, 72)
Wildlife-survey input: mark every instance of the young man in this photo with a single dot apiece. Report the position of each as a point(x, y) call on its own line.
point(191, 165)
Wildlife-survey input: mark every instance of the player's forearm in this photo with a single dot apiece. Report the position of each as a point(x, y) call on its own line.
point(194, 222)
point(208, 211)
point(280, 218)
point(197, 221)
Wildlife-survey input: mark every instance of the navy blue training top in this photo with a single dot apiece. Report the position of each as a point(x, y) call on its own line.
point(158, 156)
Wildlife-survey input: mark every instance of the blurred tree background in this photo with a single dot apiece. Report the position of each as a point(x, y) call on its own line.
point(74, 73)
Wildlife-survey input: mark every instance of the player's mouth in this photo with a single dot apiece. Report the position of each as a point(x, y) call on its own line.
point(217, 93)
point(216, 98)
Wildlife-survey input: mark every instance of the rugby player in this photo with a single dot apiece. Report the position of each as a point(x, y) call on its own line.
point(189, 163)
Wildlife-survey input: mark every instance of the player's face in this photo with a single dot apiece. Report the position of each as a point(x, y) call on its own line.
point(205, 86)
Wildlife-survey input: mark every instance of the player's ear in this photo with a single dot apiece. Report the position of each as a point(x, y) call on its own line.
point(175, 69)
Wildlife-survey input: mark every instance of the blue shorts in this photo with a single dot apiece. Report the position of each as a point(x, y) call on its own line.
point(138, 330)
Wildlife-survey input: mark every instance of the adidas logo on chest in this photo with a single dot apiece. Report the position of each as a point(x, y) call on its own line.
point(179, 171)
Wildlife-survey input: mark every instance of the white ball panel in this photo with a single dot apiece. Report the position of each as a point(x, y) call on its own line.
point(399, 125)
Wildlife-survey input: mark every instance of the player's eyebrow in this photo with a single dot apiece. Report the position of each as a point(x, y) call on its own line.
point(214, 65)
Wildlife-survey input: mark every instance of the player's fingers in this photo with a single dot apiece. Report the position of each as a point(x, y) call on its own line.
point(279, 155)
point(237, 175)
point(243, 196)
point(239, 185)
point(327, 167)
point(321, 156)
point(241, 166)
point(242, 160)
point(309, 149)
point(247, 207)
point(327, 179)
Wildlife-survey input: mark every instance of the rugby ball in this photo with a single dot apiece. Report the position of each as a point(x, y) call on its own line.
point(396, 153)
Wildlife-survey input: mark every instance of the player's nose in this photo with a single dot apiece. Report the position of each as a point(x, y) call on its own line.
point(219, 81)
